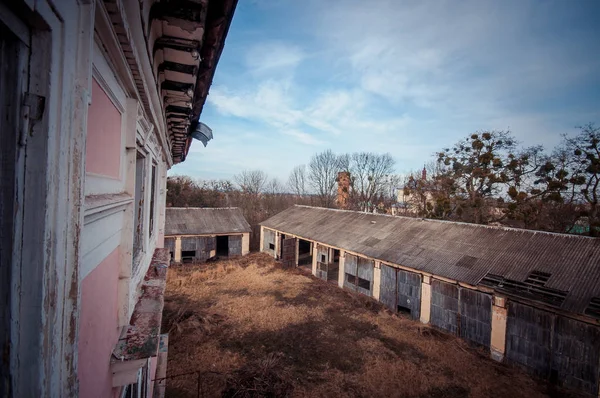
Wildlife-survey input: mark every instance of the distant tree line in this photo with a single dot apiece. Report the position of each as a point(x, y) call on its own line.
point(485, 178)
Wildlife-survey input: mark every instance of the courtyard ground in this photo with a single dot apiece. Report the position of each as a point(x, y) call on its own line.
point(247, 327)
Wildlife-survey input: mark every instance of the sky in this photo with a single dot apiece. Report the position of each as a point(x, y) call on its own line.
point(404, 77)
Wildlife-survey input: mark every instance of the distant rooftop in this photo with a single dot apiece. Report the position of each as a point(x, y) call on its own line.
point(558, 269)
point(204, 221)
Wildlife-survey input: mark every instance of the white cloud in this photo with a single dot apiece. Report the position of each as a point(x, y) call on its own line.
point(268, 57)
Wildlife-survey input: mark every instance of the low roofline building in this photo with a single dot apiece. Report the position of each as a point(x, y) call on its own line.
point(194, 234)
point(532, 298)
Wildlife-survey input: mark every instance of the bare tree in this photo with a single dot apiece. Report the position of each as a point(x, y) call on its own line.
point(251, 181)
point(322, 175)
point(370, 173)
point(297, 180)
point(274, 187)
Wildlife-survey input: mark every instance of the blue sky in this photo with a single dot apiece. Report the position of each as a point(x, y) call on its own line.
point(405, 77)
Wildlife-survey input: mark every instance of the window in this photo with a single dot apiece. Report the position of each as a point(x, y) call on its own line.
point(323, 258)
point(188, 256)
point(152, 194)
point(351, 279)
point(138, 389)
point(138, 236)
point(364, 283)
point(271, 246)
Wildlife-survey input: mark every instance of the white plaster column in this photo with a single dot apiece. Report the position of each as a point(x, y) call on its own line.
point(342, 271)
point(297, 252)
point(246, 243)
point(262, 239)
point(314, 261)
point(177, 254)
point(377, 280)
point(498, 340)
point(426, 299)
point(277, 244)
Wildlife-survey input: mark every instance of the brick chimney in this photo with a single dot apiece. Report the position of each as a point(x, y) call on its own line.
point(343, 191)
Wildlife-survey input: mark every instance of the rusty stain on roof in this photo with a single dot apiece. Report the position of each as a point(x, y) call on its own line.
point(458, 251)
point(205, 221)
point(143, 333)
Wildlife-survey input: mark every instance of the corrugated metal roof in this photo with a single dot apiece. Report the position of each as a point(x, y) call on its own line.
point(440, 247)
point(204, 221)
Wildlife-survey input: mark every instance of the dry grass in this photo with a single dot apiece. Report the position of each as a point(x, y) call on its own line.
point(251, 328)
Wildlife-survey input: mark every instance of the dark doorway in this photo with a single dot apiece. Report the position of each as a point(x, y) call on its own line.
point(223, 246)
point(281, 239)
point(334, 267)
point(188, 256)
point(304, 253)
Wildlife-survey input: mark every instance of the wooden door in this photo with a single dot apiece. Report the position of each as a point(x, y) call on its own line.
point(288, 250)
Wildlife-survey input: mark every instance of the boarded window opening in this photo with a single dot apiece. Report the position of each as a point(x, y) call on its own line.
point(364, 283)
point(188, 256)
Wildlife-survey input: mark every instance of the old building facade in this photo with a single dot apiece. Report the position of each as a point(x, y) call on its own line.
point(531, 298)
point(198, 234)
point(99, 100)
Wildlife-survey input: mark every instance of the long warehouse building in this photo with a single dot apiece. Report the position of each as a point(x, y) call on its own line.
point(532, 298)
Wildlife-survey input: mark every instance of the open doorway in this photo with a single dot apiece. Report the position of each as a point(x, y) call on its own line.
point(334, 266)
point(223, 246)
point(281, 239)
point(304, 253)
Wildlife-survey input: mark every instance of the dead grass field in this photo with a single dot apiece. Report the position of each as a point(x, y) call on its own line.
point(251, 328)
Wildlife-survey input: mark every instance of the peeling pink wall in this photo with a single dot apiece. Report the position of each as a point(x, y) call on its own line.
point(103, 146)
point(98, 328)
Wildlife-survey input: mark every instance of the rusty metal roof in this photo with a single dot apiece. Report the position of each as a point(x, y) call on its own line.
point(204, 221)
point(463, 252)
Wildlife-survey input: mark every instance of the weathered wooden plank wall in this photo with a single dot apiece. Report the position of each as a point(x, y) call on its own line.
point(268, 240)
point(554, 347)
point(529, 338)
point(409, 292)
point(444, 306)
point(475, 316)
point(365, 271)
point(350, 268)
point(235, 245)
point(387, 287)
point(203, 245)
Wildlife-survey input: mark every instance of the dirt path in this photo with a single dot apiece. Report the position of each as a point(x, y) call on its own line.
point(252, 329)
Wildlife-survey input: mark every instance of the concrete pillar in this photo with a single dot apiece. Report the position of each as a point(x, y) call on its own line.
point(342, 272)
point(314, 261)
point(277, 244)
point(246, 244)
point(376, 280)
point(297, 251)
point(262, 239)
point(499, 314)
point(177, 254)
point(426, 299)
